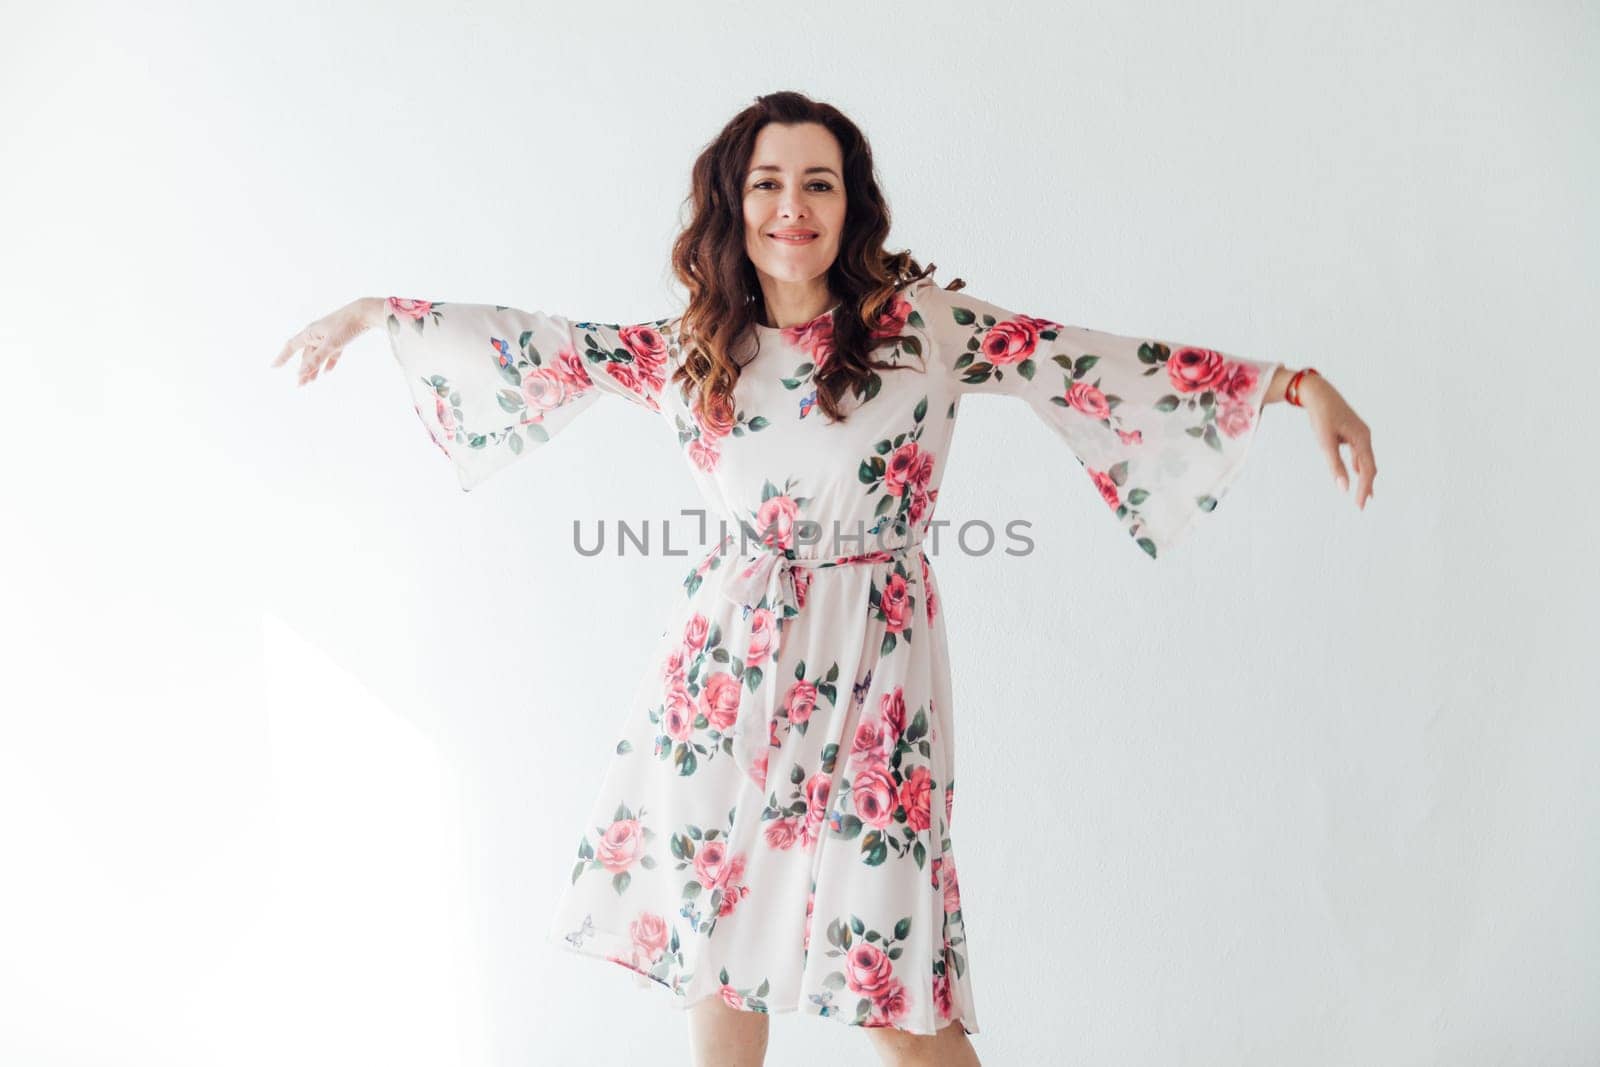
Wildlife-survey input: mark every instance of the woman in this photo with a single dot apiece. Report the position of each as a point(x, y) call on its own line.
point(773, 833)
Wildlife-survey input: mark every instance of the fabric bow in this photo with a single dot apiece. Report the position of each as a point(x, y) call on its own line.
point(765, 574)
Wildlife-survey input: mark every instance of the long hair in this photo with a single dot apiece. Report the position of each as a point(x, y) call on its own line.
point(709, 258)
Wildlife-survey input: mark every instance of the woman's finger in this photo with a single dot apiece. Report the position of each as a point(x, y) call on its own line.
point(1330, 447)
point(289, 347)
point(309, 362)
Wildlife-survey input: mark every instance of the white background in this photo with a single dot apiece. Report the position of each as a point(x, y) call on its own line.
point(298, 739)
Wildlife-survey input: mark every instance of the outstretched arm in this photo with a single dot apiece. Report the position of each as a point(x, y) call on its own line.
point(490, 382)
point(1335, 424)
point(1161, 428)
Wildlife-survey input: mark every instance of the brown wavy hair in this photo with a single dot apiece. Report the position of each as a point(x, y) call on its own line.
point(709, 258)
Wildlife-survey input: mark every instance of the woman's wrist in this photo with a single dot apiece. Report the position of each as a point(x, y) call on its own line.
point(373, 309)
point(1279, 384)
point(1306, 384)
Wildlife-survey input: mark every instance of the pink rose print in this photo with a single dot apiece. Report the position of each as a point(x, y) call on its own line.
point(801, 701)
point(891, 1005)
point(1107, 487)
point(694, 632)
point(715, 869)
point(648, 347)
point(874, 793)
point(429, 427)
point(1089, 400)
point(901, 469)
point(802, 586)
point(763, 635)
point(680, 713)
point(1238, 380)
point(1011, 341)
point(892, 706)
point(1130, 437)
point(673, 666)
point(781, 833)
point(543, 390)
point(711, 866)
point(892, 320)
point(650, 935)
point(717, 421)
point(569, 368)
point(871, 744)
point(941, 994)
point(731, 997)
point(625, 374)
point(719, 700)
point(703, 455)
point(649, 351)
point(775, 520)
point(805, 942)
point(933, 869)
point(1192, 369)
point(952, 889)
point(878, 556)
point(620, 845)
point(916, 796)
point(815, 338)
point(1233, 419)
point(868, 970)
point(918, 506)
point(894, 602)
point(446, 417)
point(758, 770)
point(409, 309)
point(817, 789)
point(927, 590)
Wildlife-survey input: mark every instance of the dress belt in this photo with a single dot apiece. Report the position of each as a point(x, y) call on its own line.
point(769, 573)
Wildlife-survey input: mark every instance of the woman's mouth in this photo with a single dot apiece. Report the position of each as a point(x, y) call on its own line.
point(793, 239)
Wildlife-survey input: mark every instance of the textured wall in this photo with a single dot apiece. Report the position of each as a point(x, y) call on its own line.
point(299, 737)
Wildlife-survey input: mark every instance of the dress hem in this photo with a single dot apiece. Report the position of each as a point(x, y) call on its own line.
point(682, 1002)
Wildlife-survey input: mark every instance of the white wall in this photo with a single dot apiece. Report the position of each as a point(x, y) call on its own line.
point(298, 737)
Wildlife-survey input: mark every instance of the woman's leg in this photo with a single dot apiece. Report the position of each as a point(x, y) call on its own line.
point(723, 1036)
point(947, 1048)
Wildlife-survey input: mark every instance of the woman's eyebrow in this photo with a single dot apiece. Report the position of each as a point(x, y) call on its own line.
point(808, 170)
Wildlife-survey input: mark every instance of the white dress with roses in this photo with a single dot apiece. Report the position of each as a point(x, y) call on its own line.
point(775, 826)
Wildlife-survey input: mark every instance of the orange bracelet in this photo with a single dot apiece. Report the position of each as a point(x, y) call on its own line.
point(1292, 393)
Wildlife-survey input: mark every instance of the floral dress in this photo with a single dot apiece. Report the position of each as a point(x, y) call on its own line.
point(774, 827)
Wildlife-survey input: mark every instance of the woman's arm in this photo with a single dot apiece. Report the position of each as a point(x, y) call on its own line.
point(1334, 423)
point(1279, 384)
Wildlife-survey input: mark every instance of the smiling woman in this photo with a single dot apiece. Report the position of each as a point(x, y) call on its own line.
point(774, 829)
point(794, 167)
point(793, 216)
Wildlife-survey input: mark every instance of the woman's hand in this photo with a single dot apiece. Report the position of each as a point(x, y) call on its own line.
point(1335, 424)
point(324, 340)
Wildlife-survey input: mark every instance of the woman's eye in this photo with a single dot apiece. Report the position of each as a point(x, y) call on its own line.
point(768, 181)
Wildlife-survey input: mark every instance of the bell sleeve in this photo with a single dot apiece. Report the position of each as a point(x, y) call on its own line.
point(1160, 428)
point(491, 383)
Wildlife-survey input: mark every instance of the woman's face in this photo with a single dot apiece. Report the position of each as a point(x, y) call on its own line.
point(795, 182)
